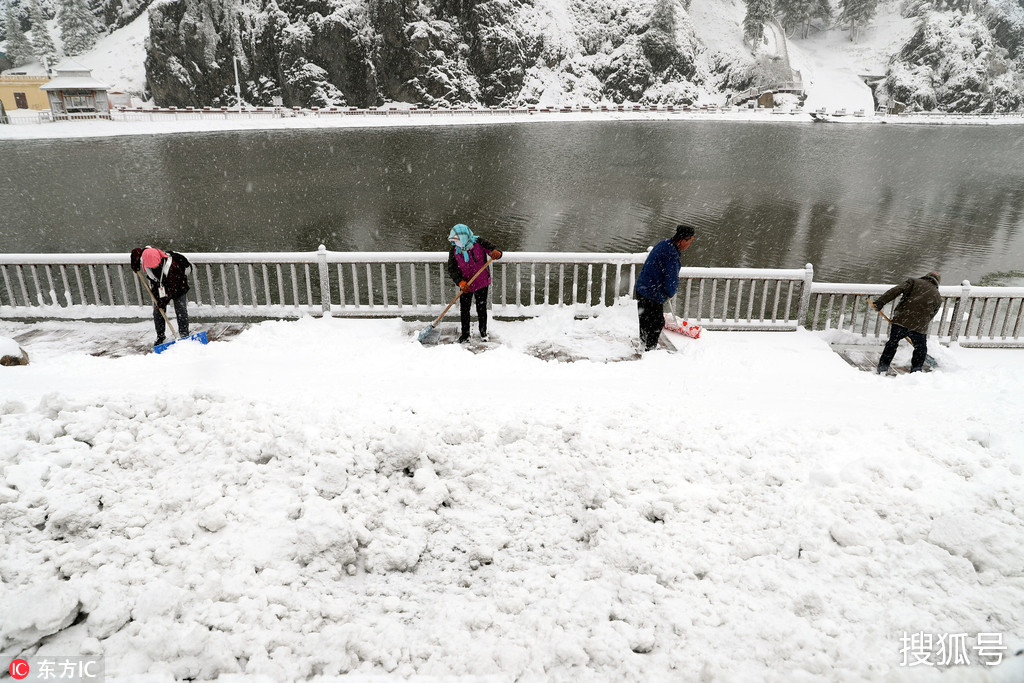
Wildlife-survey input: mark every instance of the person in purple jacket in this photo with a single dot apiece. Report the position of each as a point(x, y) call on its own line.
point(467, 257)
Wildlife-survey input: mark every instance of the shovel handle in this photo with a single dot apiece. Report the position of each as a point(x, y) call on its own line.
point(879, 310)
point(888, 320)
point(482, 269)
point(157, 304)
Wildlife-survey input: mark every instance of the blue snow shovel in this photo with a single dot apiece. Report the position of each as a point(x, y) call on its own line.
point(160, 348)
point(425, 334)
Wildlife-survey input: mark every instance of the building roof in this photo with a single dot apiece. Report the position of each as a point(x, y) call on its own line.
point(75, 83)
point(73, 76)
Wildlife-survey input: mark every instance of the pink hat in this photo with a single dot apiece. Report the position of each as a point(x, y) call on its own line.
point(151, 257)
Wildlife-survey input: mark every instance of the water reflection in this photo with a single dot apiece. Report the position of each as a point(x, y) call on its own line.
point(863, 203)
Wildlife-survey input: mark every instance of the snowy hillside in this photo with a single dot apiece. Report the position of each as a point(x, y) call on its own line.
point(559, 52)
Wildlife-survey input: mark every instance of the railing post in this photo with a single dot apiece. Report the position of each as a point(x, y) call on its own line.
point(805, 295)
point(958, 311)
point(325, 282)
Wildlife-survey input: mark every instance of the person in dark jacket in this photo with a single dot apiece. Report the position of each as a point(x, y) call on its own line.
point(919, 302)
point(467, 257)
point(167, 276)
point(657, 283)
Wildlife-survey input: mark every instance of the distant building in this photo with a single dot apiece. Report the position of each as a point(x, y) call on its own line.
point(21, 91)
point(119, 99)
point(75, 91)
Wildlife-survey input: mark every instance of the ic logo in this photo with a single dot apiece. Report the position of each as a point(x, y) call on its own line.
point(18, 669)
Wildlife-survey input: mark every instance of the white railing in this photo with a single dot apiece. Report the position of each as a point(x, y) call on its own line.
point(375, 284)
point(414, 284)
point(356, 284)
point(79, 115)
point(744, 298)
point(969, 315)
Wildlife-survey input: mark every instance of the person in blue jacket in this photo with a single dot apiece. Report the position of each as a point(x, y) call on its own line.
point(657, 283)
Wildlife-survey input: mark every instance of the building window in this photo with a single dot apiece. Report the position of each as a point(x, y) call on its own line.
point(20, 101)
point(79, 100)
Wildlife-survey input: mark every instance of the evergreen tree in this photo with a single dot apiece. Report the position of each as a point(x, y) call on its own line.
point(759, 12)
point(77, 26)
point(19, 49)
point(857, 13)
point(800, 13)
point(42, 43)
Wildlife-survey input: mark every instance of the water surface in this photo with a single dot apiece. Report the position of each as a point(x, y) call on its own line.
point(864, 203)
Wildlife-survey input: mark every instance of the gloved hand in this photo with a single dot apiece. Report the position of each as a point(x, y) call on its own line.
point(464, 286)
point(495, 254)
point(874, 305)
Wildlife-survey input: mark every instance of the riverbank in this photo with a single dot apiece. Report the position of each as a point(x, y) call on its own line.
point(319, 497)
point(29, 125)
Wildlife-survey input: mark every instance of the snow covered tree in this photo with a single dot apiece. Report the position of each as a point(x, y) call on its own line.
point(77, 26)
point(800, 13)
point(918, 8)
point(659, 40)
point(759, 12)
point(857, 13)
point(42, 43)
point(952, 64)
point(19, 49)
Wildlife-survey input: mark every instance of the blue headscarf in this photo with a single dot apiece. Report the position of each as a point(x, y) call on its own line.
point(463, 239)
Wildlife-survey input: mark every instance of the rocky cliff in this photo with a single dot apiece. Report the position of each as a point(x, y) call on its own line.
point(518, 52)
point(445, 52)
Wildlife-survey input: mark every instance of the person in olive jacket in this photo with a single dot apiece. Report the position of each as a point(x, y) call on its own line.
point(468, 255)
point(919, 303)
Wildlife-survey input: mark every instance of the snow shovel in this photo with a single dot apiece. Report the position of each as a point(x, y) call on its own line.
point(160, 348)
point(673, 324)
point(426, 332)
point(929, 361)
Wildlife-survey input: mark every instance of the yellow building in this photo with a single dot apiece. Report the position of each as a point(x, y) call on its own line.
point(22, 92)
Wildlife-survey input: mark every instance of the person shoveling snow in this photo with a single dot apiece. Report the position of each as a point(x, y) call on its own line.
point(166, 280)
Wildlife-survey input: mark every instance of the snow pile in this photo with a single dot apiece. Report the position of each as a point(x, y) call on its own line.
point(9, 347)
point(329, 496)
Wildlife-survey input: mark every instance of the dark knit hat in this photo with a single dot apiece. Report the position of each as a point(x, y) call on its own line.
point(683, 232)
point(934, 276)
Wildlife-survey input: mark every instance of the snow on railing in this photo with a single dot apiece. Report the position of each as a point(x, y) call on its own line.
point(357, 284)
point(373, 284)
point(75, 115)
point(744, 298)
point(969, 315)
point(524, 284)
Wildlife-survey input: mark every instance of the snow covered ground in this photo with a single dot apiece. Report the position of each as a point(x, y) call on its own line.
point(832, 65)
point(321, 497)
point(324, 496)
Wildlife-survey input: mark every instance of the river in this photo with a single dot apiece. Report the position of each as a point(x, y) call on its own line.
point(863, 203)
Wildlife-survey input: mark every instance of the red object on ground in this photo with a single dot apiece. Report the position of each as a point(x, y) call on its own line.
point(682, 327)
